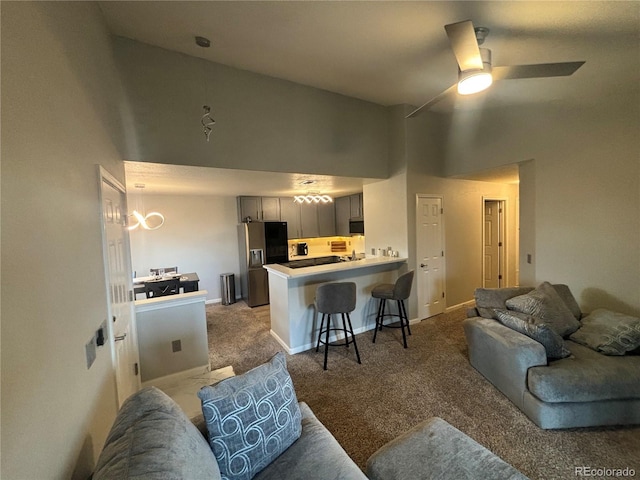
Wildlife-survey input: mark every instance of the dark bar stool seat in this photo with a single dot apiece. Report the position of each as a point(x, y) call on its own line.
point(331, 299)
point(399, 292)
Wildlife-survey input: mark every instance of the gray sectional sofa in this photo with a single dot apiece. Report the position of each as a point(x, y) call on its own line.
point(152, 439)
point(586, 388)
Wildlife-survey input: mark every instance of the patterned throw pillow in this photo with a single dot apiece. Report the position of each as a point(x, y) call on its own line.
point(251, 418)
point(545, 304)
point(535, 329)
point(609, 332)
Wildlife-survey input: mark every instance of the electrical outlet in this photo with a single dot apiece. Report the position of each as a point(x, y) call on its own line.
point(176, 346)
point(90, 351)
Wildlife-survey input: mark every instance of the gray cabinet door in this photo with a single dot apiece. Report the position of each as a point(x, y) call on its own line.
point(271, 209)
point(356, 205)
point(343, 212)
point(250, 207)
point(326, 220)
point(290, 213)
point(309, 220)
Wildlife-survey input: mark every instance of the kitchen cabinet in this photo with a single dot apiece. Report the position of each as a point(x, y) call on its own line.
point(249, 207)
point(309, 220)
point(290, 213)
point(343, 213)
point(271, 209)
point(356, 205)
point(260, 209)
point(326, 220)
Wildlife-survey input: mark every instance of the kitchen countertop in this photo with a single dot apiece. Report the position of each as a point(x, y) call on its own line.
point(287, 272)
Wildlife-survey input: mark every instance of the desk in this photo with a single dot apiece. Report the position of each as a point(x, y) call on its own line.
point(188, 282)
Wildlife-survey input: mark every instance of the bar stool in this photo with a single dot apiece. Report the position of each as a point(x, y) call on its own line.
point(399, 292)
point(334, 298)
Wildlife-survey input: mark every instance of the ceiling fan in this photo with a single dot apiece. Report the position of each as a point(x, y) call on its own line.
point(475, 72)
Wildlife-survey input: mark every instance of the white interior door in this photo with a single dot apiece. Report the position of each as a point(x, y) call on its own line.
point(122, 338)
point(493, 246)
point(430, 256)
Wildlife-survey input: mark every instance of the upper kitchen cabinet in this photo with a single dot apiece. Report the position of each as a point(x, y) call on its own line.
point(343, 213)
point(290, 213)
point(356, 206)
point(347, 208)
point(260, 209)
point(308, 220)
point(271, 209)
point(326, 220)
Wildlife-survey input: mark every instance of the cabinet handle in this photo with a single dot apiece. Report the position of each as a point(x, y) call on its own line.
point(422, 265)
point(119, 338)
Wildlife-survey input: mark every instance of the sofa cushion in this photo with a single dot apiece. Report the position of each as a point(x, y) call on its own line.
point(545, 304)
point(586, 376)
point(488, 299)
point(251, 418)
point(152, 438)
point(534, 328)
point(609, 332)
point(316, 455)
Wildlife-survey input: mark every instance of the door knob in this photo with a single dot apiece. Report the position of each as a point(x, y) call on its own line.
point(119, 338)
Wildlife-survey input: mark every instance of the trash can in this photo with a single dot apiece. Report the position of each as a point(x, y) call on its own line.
point(228, 288)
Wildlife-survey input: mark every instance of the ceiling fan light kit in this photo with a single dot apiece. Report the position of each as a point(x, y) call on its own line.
point(476, 80)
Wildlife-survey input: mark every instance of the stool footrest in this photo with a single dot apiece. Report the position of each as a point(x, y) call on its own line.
point(334, 344)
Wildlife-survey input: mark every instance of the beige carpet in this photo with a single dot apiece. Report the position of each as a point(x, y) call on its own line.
point(365, 406)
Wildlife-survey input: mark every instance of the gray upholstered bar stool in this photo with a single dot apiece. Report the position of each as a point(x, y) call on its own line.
point(399, 292)
point(331, 299)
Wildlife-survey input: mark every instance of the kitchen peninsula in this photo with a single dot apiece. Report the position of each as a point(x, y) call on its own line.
point(294, 323)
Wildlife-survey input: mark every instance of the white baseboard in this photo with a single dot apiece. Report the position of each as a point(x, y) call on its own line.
point(467, 304)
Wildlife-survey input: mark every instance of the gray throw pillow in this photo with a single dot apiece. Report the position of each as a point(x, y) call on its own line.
point(488, 299)
point(251, 418)
point(609, 332)
point(545, 303)
point(535, 329)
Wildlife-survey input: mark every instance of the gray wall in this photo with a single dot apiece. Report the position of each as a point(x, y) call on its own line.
point(61, 103)
point(262, 123)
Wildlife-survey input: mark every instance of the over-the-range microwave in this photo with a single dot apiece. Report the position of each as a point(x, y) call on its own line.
point(356, 227)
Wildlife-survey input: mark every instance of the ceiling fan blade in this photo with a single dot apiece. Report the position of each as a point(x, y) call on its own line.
point(462, 37)
point(539, 70)
point(433, 101)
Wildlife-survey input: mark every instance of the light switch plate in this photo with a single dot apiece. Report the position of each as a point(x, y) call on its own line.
point(90, 350)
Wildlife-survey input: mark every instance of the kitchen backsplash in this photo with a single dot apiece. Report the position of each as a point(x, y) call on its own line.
point(322, 246)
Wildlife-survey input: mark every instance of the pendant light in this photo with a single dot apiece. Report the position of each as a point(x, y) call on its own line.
point(150, 221)
point(206, 120)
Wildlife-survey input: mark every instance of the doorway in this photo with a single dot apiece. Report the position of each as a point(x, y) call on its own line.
point(430, 255)
point(493, 243)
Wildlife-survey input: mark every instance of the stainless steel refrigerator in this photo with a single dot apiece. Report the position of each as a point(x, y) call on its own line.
point(260, 243)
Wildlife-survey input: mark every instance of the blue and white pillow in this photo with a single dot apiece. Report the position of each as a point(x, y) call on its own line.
point(251, 418)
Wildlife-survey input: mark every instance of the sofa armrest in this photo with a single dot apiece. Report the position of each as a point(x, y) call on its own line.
point(502, 355)
point(435, 449)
